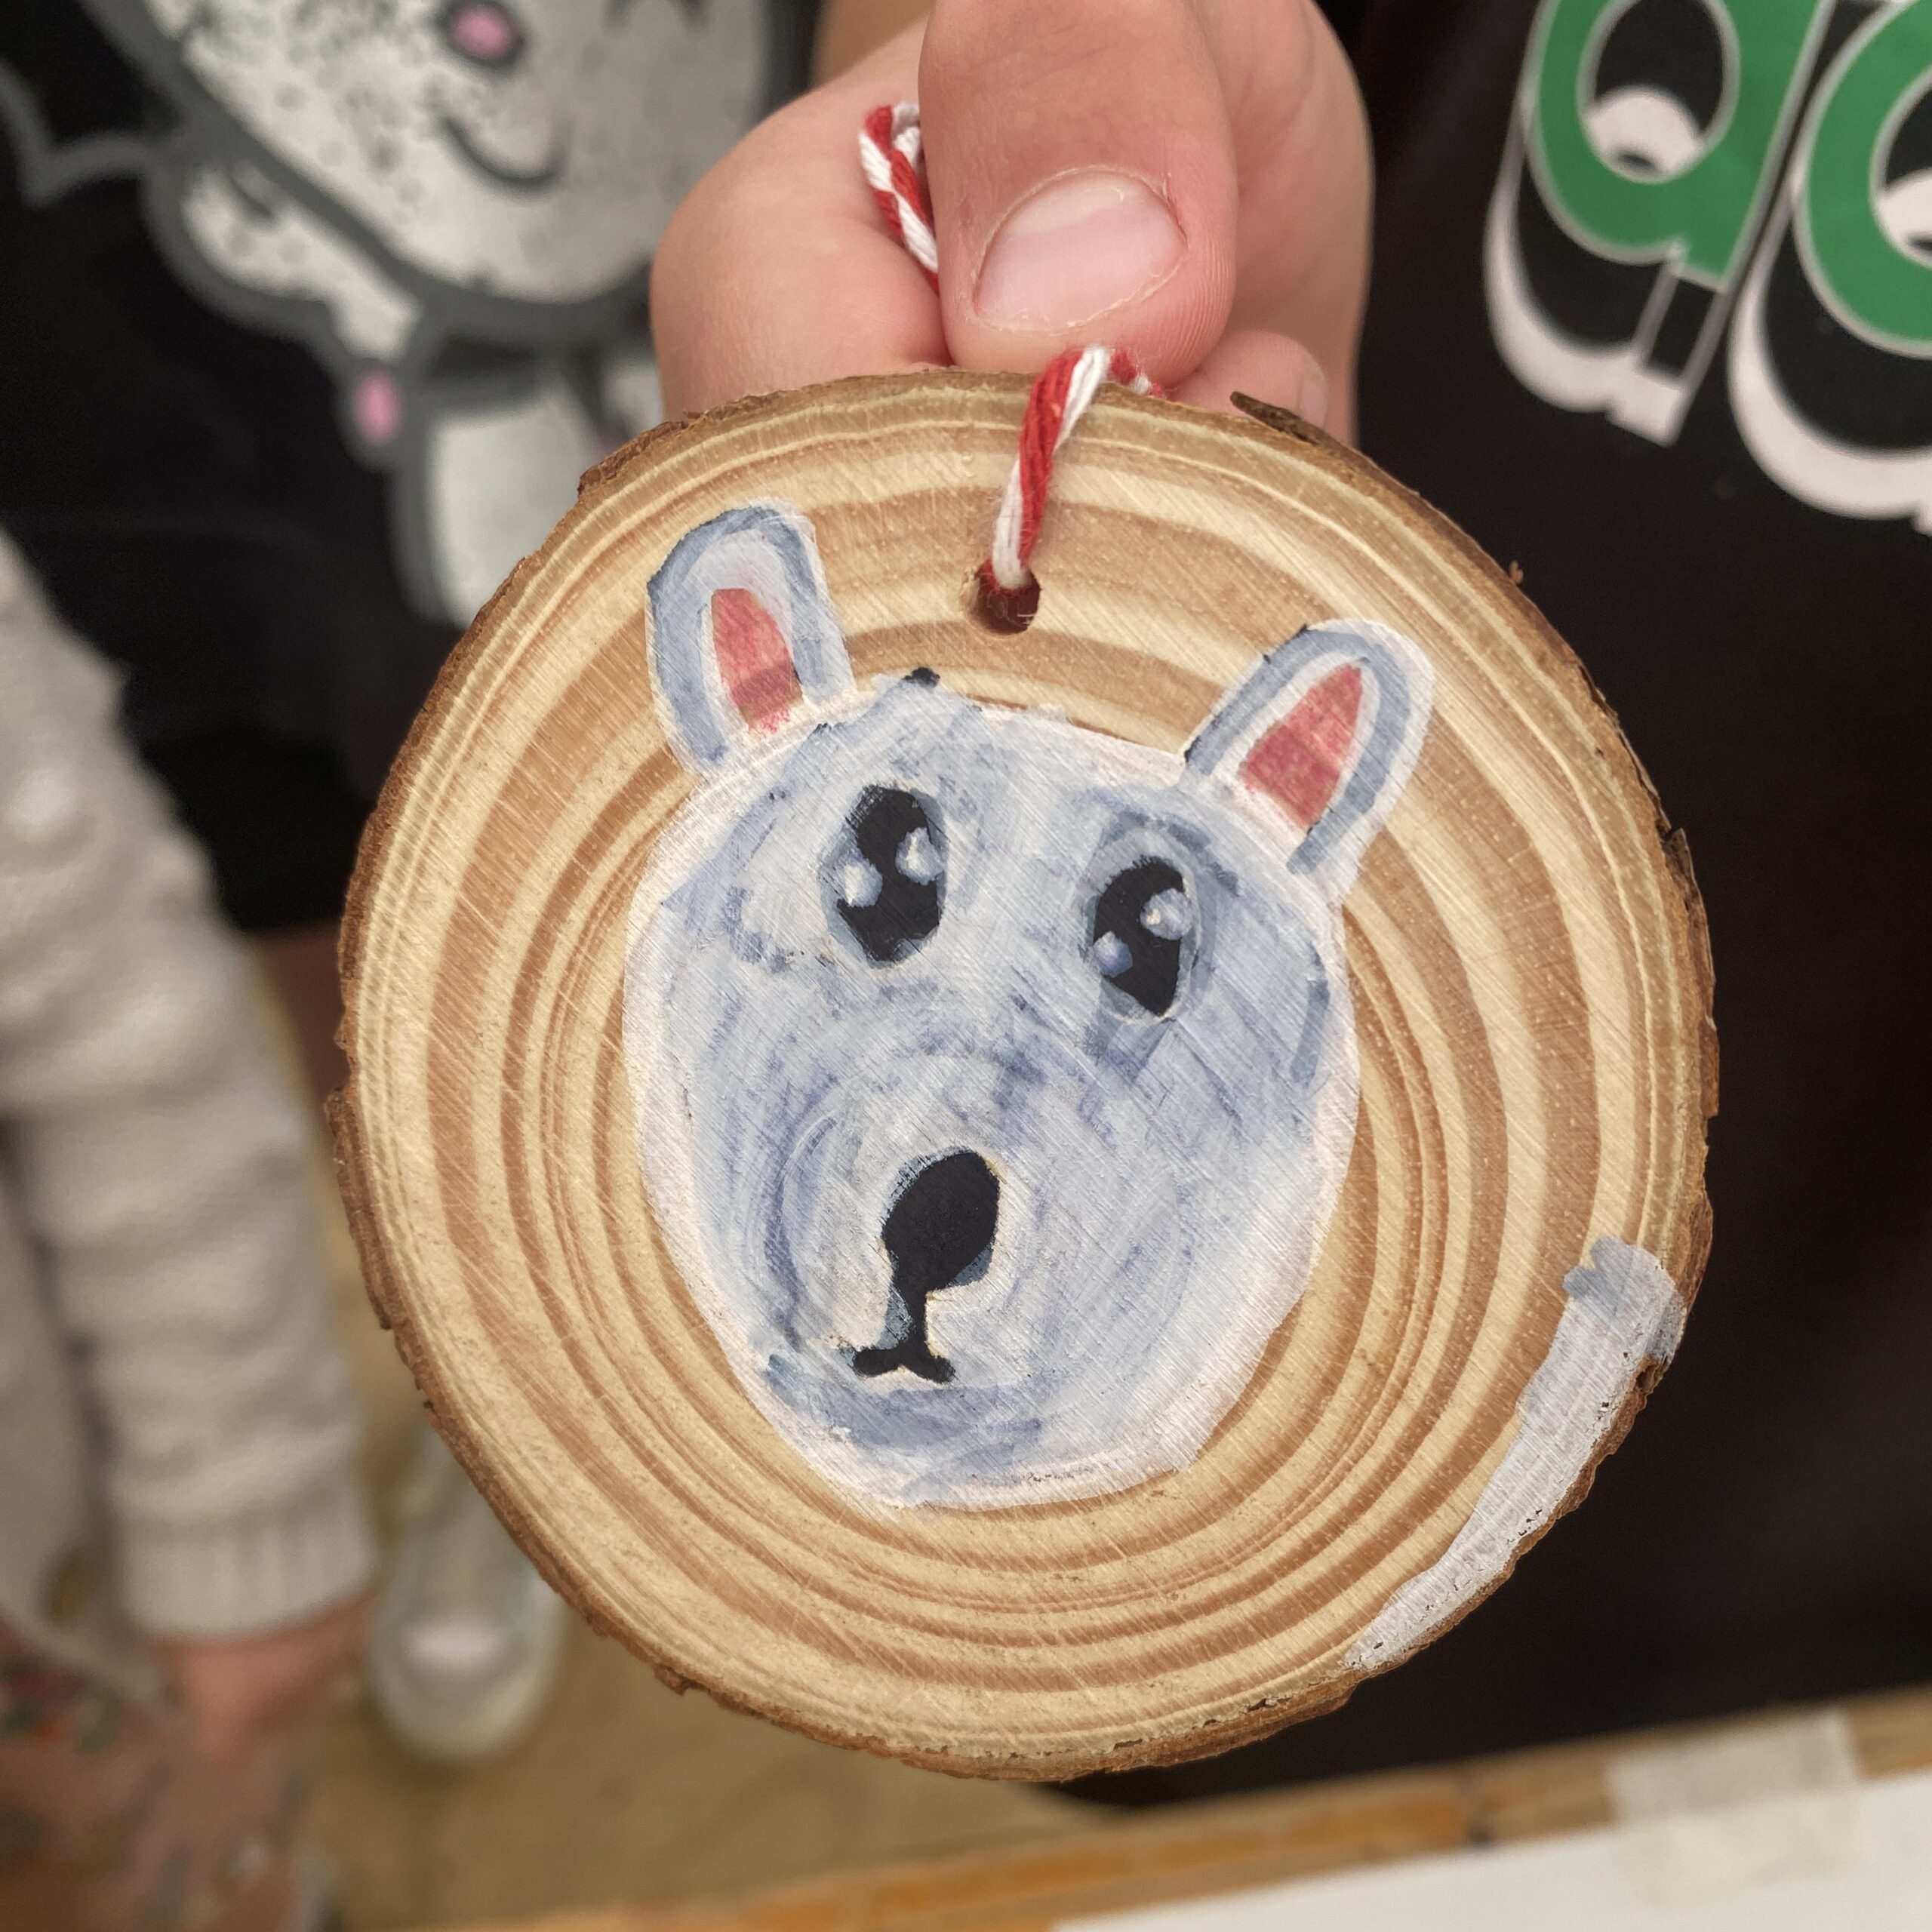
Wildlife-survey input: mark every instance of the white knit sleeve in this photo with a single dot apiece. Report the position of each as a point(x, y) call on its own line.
point(159, 1160)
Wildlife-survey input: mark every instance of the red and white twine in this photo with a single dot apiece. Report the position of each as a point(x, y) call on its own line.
point(1060, 394)
point(890, 153)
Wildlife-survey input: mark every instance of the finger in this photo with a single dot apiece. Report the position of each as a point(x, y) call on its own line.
point(1270, 368)
point(1083, 178)
point(1302, 154)
point(777, 270)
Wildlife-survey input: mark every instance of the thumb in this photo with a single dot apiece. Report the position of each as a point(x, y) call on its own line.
point(1082, 174)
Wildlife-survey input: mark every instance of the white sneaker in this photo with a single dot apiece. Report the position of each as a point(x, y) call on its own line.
point(468, 1638)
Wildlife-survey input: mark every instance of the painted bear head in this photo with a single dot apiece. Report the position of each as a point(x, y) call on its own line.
point(993, 1078)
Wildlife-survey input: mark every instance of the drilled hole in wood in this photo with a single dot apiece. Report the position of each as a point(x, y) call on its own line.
point(1008, 612)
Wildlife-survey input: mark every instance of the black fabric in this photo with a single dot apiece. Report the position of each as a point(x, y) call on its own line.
point(279, 822)
point(1765, 1533)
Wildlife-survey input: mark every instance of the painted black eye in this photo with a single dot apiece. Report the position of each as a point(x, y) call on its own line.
point(1143, 933)
point(889, 877)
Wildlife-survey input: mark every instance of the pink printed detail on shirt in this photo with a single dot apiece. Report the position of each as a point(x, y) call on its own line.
point(483, 32)
point(376, 403)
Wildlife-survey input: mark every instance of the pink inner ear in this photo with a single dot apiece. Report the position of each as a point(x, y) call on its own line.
point(753, 659)
point(1299, 762)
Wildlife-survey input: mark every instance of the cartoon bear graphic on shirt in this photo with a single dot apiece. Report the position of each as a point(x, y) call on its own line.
point(454, 204)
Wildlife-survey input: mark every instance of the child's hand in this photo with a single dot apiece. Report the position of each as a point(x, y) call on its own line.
point(236, 1689)
point(1187, 179)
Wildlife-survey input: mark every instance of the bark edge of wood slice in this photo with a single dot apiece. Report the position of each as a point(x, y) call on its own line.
point(1531, 993)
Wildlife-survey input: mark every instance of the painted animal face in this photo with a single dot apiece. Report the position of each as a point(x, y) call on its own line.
point(994, 1079)
point(526, 149)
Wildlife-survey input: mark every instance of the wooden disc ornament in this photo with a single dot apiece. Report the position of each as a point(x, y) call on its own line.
point(1035, 1200)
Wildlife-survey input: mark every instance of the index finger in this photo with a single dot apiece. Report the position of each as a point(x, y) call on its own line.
point(778, 270)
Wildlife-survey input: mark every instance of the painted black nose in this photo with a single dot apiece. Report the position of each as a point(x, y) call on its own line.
point(942, 1225)
point(939, 1231)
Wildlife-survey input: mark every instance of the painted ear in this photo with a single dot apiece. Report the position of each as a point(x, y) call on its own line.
point(742, 633)
point(1324, 730)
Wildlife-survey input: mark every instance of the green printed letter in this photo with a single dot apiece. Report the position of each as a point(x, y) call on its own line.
point(1701, 218)
point(1879, 288)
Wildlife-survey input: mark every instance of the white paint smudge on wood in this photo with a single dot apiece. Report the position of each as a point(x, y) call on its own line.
point(1624, 1310)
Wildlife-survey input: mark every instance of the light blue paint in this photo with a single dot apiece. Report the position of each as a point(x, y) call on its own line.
point(1164, 1182)
point(768, 549)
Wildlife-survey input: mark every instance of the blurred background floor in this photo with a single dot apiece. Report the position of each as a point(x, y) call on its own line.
point(624, 1791)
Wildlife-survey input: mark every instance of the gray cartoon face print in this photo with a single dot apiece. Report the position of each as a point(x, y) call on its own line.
point(532, 152)
point(994, 1079)
point(453, 203)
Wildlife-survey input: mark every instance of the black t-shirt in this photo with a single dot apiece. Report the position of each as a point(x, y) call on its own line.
point(1722, 523)
point(307, 336)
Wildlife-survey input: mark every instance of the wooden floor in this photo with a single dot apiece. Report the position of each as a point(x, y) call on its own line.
point(625, 1791)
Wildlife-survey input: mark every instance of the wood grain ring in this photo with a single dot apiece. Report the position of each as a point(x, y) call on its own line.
point(1532, 992)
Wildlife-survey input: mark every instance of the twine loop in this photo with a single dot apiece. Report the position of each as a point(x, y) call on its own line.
point(890, 154)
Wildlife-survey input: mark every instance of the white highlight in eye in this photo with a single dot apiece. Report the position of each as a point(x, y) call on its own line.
point(1111, 955)
point(1168, 915)
point(918, 857)
point(859, 883)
